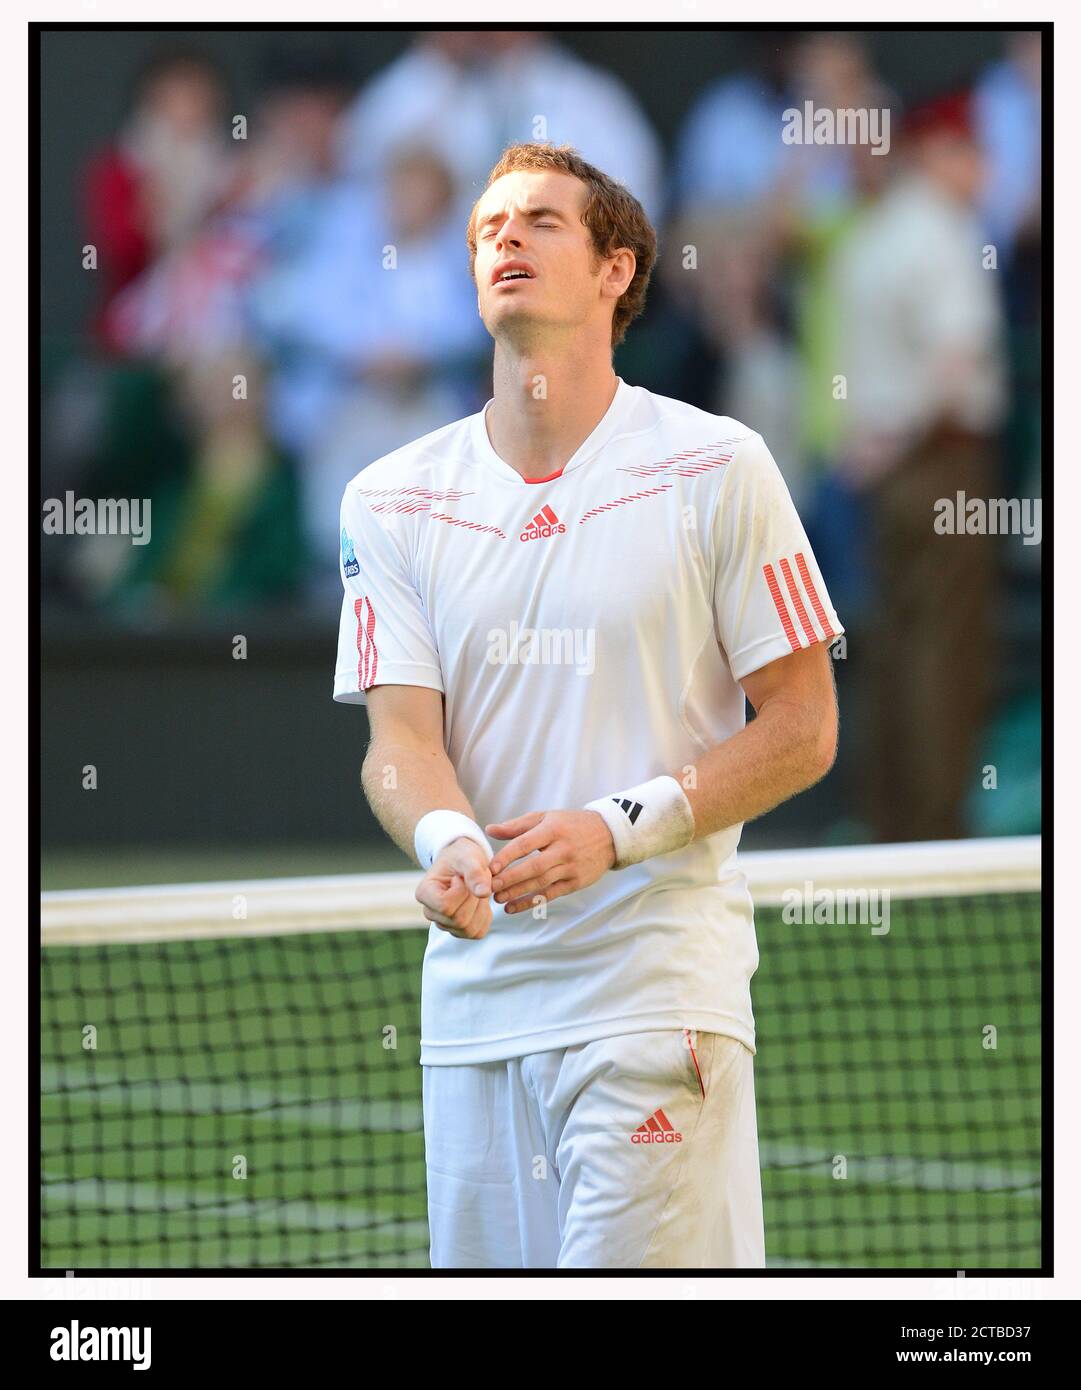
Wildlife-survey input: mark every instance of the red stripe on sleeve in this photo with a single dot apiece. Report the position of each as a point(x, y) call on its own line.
point(372, 648)
point(367, 652)
point(797, 604)
point(779, 604)
point(812, 594)
point(358, 609)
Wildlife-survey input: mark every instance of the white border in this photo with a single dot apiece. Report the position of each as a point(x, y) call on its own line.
point(13, 559)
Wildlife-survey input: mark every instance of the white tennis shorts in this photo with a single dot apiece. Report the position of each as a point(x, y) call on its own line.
point(633, 1152)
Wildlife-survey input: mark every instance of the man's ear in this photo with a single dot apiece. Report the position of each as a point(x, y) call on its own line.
point(621, 257)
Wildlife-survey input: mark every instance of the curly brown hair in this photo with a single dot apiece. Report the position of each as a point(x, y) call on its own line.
point(614, 216)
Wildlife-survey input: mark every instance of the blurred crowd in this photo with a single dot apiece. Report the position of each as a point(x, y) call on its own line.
point(286, 296)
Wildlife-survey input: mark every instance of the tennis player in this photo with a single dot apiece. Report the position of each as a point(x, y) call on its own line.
point(556, 610)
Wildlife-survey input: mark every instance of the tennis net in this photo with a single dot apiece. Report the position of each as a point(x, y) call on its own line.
point(229, 1073)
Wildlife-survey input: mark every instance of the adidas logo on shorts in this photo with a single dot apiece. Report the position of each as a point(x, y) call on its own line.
point(657, 1130)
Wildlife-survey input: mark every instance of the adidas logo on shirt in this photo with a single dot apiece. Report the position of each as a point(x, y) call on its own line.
point(545, 523)
point(657, 1129)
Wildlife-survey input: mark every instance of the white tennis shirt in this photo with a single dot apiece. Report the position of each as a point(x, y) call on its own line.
point(588, 632)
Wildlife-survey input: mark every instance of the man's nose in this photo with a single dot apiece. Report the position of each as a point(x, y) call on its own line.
point(509, 236)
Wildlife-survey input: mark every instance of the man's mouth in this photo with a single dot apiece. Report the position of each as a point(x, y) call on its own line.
point(509, 273)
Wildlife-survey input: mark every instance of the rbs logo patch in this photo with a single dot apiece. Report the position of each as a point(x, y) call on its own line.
point(349, 555)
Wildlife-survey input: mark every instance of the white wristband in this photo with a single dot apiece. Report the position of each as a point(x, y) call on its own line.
point(652, 818)
point(438, 828)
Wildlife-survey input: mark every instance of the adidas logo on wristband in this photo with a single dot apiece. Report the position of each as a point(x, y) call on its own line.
point(637, 836)
point(633, 809)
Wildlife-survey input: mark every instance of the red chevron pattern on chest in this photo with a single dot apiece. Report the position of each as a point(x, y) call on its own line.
point(409, 499)
point(469, 525)
point(687, 464)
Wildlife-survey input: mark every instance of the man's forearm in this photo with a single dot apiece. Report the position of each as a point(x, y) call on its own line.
point(780, 753)
point(403, 783)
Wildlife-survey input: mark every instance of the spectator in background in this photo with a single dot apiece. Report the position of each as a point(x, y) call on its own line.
point(292, 164)
point(189, 312)
point(835, 515)
point(1006, 116)
point(153, 187)
point(730, 152)
point(919, 344)
point(767, 217)
point(109, 419)
point(730, 290)
point(834, 73)
point(373, 332)
point(468, 94)
point(784, 208)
